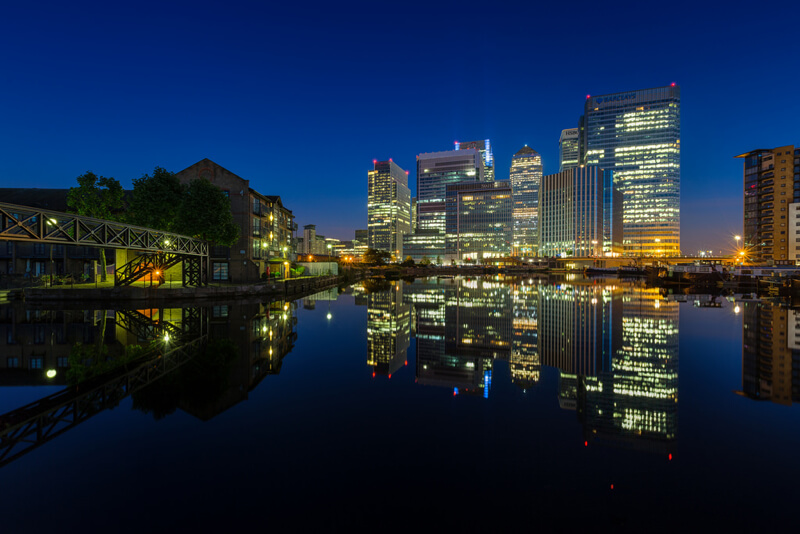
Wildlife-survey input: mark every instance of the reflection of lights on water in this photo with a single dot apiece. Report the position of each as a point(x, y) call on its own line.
point(51, 373)
point(736, 309)
point(329, 315)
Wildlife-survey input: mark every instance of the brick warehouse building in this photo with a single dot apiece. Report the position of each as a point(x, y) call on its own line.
point(266, 227)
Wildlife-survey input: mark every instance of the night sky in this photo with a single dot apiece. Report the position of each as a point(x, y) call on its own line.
point(300, 98)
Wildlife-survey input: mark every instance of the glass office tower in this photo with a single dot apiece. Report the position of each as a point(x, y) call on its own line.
point(526, 175)
point(569, 154)
point(580, 214)
point(485, 149)
point(479, 221)
point(437, 170)
point(388, 206)
point(636, 134)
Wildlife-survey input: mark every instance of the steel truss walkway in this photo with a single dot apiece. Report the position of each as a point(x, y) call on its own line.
point(23, 223)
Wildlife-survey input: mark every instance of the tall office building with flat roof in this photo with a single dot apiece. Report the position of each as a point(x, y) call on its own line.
point(388, 206)
point(580, 214)
point(479, 221)
point(569, 154)
point(636, 134)
point(437, 170)
point(485, 149)
point(526, 175)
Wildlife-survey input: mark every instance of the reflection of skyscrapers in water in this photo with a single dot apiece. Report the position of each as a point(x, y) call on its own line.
point(523, 360)
point(388, 332)
point(770, 353)
point(635, 402)
point(575, 334)
point(462, 326)
point(617, 352)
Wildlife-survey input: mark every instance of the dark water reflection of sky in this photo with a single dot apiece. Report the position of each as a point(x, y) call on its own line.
point(311, 439)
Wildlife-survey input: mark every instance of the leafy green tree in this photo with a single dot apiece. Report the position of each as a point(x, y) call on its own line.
point(156, 200)
point(425, 260)
point(205, 212)
point(376, 257)
point(409, 262)
point(99, 197)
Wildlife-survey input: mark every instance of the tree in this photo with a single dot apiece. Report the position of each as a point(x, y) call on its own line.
point(376, 257)
point(409, 262)
point(205, 212)
point(156, 200)
point(425, 260)
point(99, 197)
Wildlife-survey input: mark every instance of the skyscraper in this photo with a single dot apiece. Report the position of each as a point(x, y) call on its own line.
point(388, 206)
point(485, 149)
point(437, 170)
point(580, 213)
point(569, 155)
point(526, 175)
point(636, 134)
point(770, 177)
point(479, 221)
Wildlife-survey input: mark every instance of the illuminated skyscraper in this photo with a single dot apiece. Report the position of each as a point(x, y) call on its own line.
point(580, 214)
point(569, 155)
point(636, 134)
point(388, 206)
point(437, 170)
point(526, 176)
point(485, 149)
point(770, 178)
point(479, 221)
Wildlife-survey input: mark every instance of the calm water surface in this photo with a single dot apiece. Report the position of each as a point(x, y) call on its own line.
point(457, 404)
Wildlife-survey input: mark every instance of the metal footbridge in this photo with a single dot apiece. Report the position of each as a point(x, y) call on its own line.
point(160, 250)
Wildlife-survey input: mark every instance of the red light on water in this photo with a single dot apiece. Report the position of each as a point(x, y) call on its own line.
point(390, 377)
point(612, 486)
point(670, 456)
point(585, 443)
point(406, 362)
point(373, 374)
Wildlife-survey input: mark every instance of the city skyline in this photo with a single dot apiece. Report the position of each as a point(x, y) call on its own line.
point(87, 92)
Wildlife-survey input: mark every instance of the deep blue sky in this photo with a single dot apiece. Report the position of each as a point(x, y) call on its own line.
point(300, 98)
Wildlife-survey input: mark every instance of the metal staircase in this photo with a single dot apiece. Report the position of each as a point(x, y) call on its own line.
point(152, 264)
